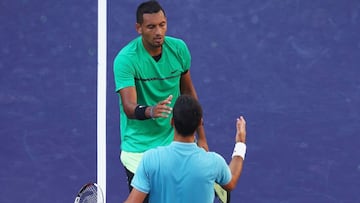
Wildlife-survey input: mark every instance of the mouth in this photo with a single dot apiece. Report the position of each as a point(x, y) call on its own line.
point(158, 39)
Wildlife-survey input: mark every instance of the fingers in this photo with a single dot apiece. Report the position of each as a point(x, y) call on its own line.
point(241, 124)
point(167, 100)
point(162, 109)
point(240, 130)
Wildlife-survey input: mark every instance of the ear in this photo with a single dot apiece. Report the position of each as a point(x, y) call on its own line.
point(138, 28)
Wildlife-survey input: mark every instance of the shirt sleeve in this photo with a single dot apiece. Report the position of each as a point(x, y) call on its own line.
point(224, 174)
point(185, 56)
point(124, 72)
point(141, 180)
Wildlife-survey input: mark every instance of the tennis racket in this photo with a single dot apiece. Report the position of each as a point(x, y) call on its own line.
point(221, 195)
point(90, 193)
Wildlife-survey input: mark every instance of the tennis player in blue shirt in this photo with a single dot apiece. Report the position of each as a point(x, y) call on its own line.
point(182, 171)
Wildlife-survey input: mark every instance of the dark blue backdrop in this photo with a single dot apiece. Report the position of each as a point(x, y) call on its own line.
point(290, 67)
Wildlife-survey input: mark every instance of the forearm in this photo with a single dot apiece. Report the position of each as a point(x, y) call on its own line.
point(186, 85)
point(201, 139)
point(200, 131)
point(131, 107)
point(139, 111)
point(236, 165)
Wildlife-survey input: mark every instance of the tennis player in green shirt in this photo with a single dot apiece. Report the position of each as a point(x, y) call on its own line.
point(150, 72)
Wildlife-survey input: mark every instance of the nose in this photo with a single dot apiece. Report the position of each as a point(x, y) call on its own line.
point(157, 30)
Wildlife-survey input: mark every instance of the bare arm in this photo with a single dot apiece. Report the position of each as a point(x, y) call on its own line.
point(129, 101)
point(236, 163)
point(135, 196)
point(187, 87)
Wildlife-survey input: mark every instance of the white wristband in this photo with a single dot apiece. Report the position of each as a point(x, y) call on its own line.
point(239, 150)
point(152, 112)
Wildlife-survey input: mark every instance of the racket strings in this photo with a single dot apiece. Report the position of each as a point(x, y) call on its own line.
point(89, 194)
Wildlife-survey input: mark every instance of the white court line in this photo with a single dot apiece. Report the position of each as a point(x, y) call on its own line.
point(101, 97)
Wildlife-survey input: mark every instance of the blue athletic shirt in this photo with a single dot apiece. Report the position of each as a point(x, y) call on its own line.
point(180, 172)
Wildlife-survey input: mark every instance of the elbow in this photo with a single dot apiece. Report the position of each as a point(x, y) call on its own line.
point(128, 112)
point(230, 186)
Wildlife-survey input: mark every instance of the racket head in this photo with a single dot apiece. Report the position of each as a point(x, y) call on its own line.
point(90, 193)
point(221, 195)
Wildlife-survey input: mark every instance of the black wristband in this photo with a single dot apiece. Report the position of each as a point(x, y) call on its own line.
point(140, 112)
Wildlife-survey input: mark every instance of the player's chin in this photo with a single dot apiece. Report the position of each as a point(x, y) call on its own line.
point(158, 43)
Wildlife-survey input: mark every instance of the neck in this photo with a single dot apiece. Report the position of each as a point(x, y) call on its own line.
point(188, 139)
point(153, 50)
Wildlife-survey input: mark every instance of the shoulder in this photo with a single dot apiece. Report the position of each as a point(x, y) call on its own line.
point(130, 49)
point(154, 156)
point(172, 41)
point(216, 157)
point(155, 151)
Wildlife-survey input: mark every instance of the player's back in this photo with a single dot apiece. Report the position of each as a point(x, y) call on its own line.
point(183, 172)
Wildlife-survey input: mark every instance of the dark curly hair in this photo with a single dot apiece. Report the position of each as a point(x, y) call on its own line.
point(187, 115)
point(147, 7)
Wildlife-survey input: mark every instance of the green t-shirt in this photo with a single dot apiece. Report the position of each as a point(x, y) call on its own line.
point(154, 82)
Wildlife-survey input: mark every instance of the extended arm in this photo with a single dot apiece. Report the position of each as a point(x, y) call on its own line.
point(187, 87)
point(237, 161)
point(129, 101)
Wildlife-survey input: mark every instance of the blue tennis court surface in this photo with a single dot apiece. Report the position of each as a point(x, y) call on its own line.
point(290, 67)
